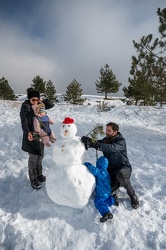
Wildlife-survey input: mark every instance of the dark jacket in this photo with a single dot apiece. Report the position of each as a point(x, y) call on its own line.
point(116, 153)
point(103, 188)
point(27, 116)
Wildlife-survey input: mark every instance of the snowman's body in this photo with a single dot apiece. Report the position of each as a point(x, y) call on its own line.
point(69, 182)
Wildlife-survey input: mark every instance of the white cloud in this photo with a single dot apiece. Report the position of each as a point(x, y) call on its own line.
point(74, 39)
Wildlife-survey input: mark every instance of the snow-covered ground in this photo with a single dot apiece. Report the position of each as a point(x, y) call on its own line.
point(29, 220)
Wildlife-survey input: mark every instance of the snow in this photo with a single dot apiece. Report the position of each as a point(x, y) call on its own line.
point(68, 174)
point(30, 220)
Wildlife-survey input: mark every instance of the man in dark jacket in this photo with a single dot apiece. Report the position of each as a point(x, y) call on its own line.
point(30, 143)
point(114, 149)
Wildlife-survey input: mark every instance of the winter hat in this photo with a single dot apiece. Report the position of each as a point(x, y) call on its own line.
point(32, 93)
point(68, 120)
point(42, 110)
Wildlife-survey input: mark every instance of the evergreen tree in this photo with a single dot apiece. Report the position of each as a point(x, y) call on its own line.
point(107, 82)
point(159, 81)
point(6, 93)
point(141, 87)
point(148, 69)
point(162, 20)
point(134, 91)
point(50, 91)
point(39, 84)
point(73, 93)
point(160, 69)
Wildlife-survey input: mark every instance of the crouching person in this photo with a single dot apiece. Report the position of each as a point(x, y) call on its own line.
point(114, 148)
point(103, 198)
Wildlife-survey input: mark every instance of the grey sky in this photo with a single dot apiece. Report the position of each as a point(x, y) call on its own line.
point(62, 40)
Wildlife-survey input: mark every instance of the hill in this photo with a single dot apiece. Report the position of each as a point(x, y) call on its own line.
point(31, 221)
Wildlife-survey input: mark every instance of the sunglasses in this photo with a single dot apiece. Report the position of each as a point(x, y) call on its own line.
point(35, 99)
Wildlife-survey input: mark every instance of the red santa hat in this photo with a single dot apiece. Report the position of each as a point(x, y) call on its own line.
point(68, 120)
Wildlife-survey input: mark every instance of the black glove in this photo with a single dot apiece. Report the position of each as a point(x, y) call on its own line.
point(88, 142)
point(85, 139)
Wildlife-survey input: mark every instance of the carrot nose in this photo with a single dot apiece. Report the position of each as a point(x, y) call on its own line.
point(66, 133)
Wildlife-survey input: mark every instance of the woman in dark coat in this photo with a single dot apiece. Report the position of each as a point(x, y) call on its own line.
point(30, 144)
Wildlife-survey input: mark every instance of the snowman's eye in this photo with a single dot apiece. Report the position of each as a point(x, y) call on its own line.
point(68, 125)
point(63, 126)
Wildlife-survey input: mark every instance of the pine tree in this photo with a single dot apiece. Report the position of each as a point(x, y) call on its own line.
point(6, 93)
point(162, 20)
point(39, 84)
point(141, 87)
point(159, 81)
point(160, 69)
point(148, 69)
point(50, 91)
point(107, 82)
point(73, 93)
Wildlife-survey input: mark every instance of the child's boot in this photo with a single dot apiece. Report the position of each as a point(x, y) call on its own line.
point(106, 217)
point(116, 202)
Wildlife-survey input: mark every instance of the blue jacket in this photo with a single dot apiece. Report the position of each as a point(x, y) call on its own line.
point(115, 152)
point(44, 124)
point(103, 187)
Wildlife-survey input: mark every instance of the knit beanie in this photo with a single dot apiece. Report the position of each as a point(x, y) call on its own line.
point(32, 93)
point(42, 110)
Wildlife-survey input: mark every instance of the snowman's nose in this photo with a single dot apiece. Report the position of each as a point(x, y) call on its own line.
point(66, 133)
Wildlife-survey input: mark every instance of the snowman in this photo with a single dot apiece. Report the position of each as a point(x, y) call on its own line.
point(69, 182)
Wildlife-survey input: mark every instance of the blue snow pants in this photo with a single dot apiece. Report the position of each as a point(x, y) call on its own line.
point(102, 204)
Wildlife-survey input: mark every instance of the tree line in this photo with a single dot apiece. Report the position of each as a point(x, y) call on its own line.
point(46, 88)
point(146, 84)
point(107, 83)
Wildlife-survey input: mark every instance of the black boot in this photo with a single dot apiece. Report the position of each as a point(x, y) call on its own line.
point(116, 202)
point(106, 217)
point(42, 178)
point(134, 201)
point(35, 184)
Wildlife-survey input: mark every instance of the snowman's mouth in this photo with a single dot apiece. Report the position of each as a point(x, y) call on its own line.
point(66, 133)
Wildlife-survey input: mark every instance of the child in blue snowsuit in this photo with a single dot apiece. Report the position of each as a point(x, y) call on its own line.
point(103, 198)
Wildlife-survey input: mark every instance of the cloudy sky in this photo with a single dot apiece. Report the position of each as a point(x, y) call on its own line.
point(62, 40)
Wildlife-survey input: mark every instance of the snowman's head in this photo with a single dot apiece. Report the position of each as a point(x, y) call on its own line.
point(68, 128)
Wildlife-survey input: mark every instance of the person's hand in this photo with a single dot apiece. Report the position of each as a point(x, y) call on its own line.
point(30, 136)
point(86, 164)
point(87, 142)
point(85, 139)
